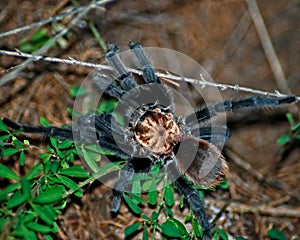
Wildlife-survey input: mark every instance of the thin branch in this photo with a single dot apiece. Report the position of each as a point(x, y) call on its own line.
point(42, 22)
point(50, 43)
point(267, 46)
point(202, 82)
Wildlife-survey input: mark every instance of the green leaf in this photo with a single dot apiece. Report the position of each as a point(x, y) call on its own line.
point(173, 228)
point(78, 91)
point(51, 195)
point(169, 195)
point(91, 159)
point(132, 205)
point(39, 227)
point(276, 234)
point(145, 232)
point(295, 127)
point(68, 182)
point(44, 122)
point(17, 143)
point(65, 144)
point(17, 199)
point(43, 214)
point(3, 197)
point(78, 193)
point(283, 139)
point(11, 187)
point(196, 228)
point(240, 238)
point(107, 106)
point(152, 197)
point(220, 234)
point(3, 127)
point(132, 228)
point(53, 141)
point(9, 152)
point(290, 118)
point(154, 216)
point(30, 216)
point(22, 158)
point(4, 137)
point(224, 184)
point(26, 187)
point(136, 187)
point(75, 171)
point(34, 172)
point(5, 172)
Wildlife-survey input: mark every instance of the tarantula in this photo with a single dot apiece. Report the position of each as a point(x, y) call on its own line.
point(152, 131)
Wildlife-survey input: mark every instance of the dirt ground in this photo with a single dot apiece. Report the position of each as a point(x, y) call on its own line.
point(264, 177)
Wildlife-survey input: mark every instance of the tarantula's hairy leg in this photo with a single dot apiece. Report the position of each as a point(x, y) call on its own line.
point(109, 87)
point(217, 135)
point(114, 60)
point(112, 136)
point(193, 198)
point(125, 179)
point(148, 70)
point(64, 133)
point(228, 106)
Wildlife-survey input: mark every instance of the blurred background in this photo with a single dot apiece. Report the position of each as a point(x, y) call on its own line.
point(223, 38)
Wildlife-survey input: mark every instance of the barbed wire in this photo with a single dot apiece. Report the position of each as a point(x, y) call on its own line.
point(202, 82)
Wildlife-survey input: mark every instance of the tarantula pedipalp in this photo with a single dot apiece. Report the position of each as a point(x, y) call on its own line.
point(151, 130)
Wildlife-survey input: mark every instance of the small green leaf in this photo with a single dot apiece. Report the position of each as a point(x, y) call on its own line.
point(295, 127)
point(17, 143)
point(132, 205)
point(65, 144)
point(290, 118)
point(68, 182)
point(11, 187)
point(154, 216)
point(3, 127)
point(173, 228)
point(91, 159)
point(145, 232)
point(152, 197)
point(283, 139)
point(43, 214)
point(276, 234)
point(240, 238)
point(26, 187)
point(3, 197)
point(78, 193)
point(34, 172)
point(17, 199)
point(169, 195)
point(39, 227)
point(53, 141)
point(44, 122)
point(78, 91)
point(22, 158)
point(4, 137)
point(75, 171)
point(6, 172)
point(224, 184)
point(132, 228)
point(196, 228)
point(9, 152)
point(220, 234)
point(51, 195)
point(136, 187)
